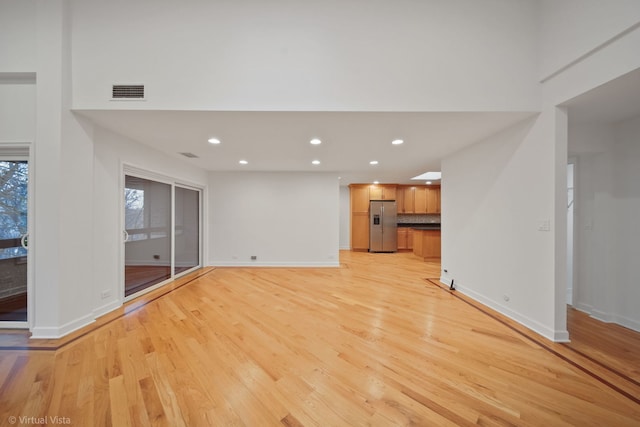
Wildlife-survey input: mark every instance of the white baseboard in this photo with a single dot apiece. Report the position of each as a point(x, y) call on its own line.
point(605, 317)
point(550, 334)
point(628, 323)
point(331, 264)
point(602, 316)
point(14, 325)
point(585, 308)
point(54, 332)
point(106, 308)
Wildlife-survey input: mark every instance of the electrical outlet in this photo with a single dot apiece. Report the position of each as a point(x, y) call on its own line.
point(105, 294)
point(506, 298)
point(254, 257)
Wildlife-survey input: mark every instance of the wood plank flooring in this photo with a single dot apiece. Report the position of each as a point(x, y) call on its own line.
point(369, 343)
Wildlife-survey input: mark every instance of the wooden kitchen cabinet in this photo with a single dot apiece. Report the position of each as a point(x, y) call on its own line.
point(382, 192)
point(359, 198)
point(375, 192)
point(389, 192)
point(360, 231)
point(408, 199)
point(359, 195)
point(433, 200)
point(402, 238)
point(400, 200)
point(426, 244)
point(420, 200)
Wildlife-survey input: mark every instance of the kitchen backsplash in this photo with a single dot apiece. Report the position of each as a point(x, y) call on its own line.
point(418, 219)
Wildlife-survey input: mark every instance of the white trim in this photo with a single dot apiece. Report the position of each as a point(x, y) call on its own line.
point(602, 316)
point(52, 332)
point(14, 325)
point(106, 308)
point(332, 264)
point(591, 52)
point(627, 322)
point(128, 169)
point(609, 317)
point(585, 308)
point(550, 334)
point(22, 151)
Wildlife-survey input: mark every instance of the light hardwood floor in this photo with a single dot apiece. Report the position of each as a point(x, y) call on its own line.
point(370, 343)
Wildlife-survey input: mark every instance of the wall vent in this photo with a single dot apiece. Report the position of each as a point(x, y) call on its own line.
point(190, 155)
point(127, 92)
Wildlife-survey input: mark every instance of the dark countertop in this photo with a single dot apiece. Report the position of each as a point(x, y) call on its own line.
point(421, 226)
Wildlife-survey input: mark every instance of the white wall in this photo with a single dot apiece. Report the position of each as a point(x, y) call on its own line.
point(111, 152)
point(17, 112)
point(607, 232)
point(572, 28)
point(494, 196)
point(525, 172)
point(345, 218)
point(285, 219)
point(361, 55)
point(17, 36)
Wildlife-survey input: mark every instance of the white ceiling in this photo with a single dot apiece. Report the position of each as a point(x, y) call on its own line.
point(279, 141)
point(611, 102)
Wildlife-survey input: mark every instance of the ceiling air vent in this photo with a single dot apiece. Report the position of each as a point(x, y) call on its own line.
point(127, 92)
point(190, 155)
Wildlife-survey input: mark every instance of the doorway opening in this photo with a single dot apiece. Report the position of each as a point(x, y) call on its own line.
point(570, 229)
point(14, 203)
point(162, 232)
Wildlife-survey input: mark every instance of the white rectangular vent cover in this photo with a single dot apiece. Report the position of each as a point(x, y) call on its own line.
point(190, 155)
point(128, 92)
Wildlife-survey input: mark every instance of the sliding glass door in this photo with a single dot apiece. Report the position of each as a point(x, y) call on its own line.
point(147, 212)
point(14, 178)
point(187, 229)
point(162, 230)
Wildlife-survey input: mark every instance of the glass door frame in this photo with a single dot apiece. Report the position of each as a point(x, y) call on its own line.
point(23, 152)
point(134, 171)
point(173, 224)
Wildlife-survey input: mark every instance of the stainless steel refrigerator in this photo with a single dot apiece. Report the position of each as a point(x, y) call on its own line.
point(383, 225)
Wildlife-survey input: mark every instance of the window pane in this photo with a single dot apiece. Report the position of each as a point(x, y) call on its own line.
point(187, 229)
point(13, 226)
point(148, 223)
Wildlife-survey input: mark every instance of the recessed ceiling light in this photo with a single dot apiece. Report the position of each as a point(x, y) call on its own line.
point(243, 162)
point(315, 141)
point(214, 141)
point(316, 162)
point(397, 141)
point(373, 162)
point(376, 182)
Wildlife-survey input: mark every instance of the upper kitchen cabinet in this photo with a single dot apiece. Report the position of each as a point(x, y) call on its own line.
point(400, 200)
point(408, 195)
point(359, 198)
point(433, 200)
point(420, 200)
point(382, 192)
